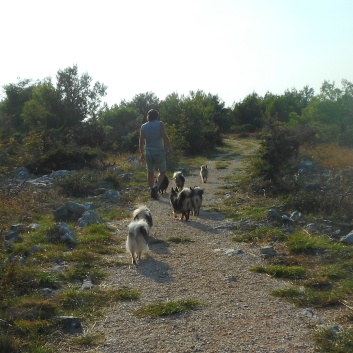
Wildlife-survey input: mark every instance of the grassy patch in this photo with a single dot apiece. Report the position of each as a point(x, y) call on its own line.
point(79, 301)
point(288, 272)
point(261, 234)
point(89, 340)
point(302, 242)
point(222, 165)
point(303, 296)
point(168, 308)
point(329, 340)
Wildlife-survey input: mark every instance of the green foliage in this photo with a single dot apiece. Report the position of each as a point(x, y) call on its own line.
point(168, 308)
point(329, 340)
point(277, 152)
point(192, 121)
point(292, 102)
point(78, 184)
point(141, 103)
point(304, 297)
point(79, 300)
point(44, 110)
point(17, 95)
point(121, 126)
point(289, 272)
point(249, 113)
point(80, 99)
point(302, 242)
point(8, 344)
point(63, 158)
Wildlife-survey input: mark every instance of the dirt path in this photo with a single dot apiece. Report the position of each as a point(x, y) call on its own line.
point(237, 315)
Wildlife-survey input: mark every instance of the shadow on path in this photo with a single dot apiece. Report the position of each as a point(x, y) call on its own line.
point(156, 270)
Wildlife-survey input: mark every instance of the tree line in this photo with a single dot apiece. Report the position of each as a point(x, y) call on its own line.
point(41, 121)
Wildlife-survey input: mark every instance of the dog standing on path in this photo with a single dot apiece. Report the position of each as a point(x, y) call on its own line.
point(139, 231)
point(179, 180)
point(196, 198)
point(204, 173)
point(181, 203)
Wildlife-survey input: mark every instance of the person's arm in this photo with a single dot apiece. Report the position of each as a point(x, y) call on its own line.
point(165, 138)
point(142, 145)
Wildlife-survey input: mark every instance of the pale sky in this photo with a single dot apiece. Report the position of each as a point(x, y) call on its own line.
point(229, 48)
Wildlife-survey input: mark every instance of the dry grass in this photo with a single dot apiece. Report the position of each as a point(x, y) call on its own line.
point(331, 156)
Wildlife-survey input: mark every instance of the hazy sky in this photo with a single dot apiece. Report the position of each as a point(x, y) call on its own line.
point(229, 48)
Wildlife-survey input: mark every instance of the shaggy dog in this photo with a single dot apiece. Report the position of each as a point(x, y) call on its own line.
point(142, 212)
point(139, 230)
point(204, 173)
point(179, 180)
point(182, 203)
point(196, 198)
point(136, 241)
point(164, 185)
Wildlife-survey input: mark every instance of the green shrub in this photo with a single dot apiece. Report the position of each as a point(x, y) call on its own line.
point(78, 184)
point(61, 158)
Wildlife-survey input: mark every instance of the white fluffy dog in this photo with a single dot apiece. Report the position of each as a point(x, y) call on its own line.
point(139, 230)
point(136, 241)
point(142, 212)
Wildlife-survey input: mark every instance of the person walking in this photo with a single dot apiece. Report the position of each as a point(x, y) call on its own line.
point(153, 143)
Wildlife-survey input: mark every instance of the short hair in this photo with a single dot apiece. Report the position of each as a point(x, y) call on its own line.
point(152, 115)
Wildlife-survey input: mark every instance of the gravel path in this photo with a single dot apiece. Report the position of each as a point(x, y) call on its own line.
point(237, 312)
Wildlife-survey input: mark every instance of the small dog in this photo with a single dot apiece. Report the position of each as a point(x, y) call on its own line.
point(139, 231)
point(142, 212)
point(204, 173)
point(181, 203)
point(136, 241)
point(179, 180)
point(196, 198)
point(164, 184)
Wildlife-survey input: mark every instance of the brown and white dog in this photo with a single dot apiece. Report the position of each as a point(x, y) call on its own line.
point(139, 231)
point(204, 173)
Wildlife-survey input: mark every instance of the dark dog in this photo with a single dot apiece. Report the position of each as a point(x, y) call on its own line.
point(164, 185)
point(179, 180)
point(204, 173)
point(181, 203)
point(196, 198)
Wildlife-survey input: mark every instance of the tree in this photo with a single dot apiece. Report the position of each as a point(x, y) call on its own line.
point(249, 113)
point(142, 103)
point(121, 126)
point(44, 109)
point(17, 95)
point(331, 112)
point(79, 98)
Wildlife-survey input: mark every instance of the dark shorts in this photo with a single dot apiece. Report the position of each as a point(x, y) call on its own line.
point(156, 160)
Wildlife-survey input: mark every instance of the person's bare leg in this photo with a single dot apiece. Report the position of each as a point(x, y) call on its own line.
point(150, 179)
